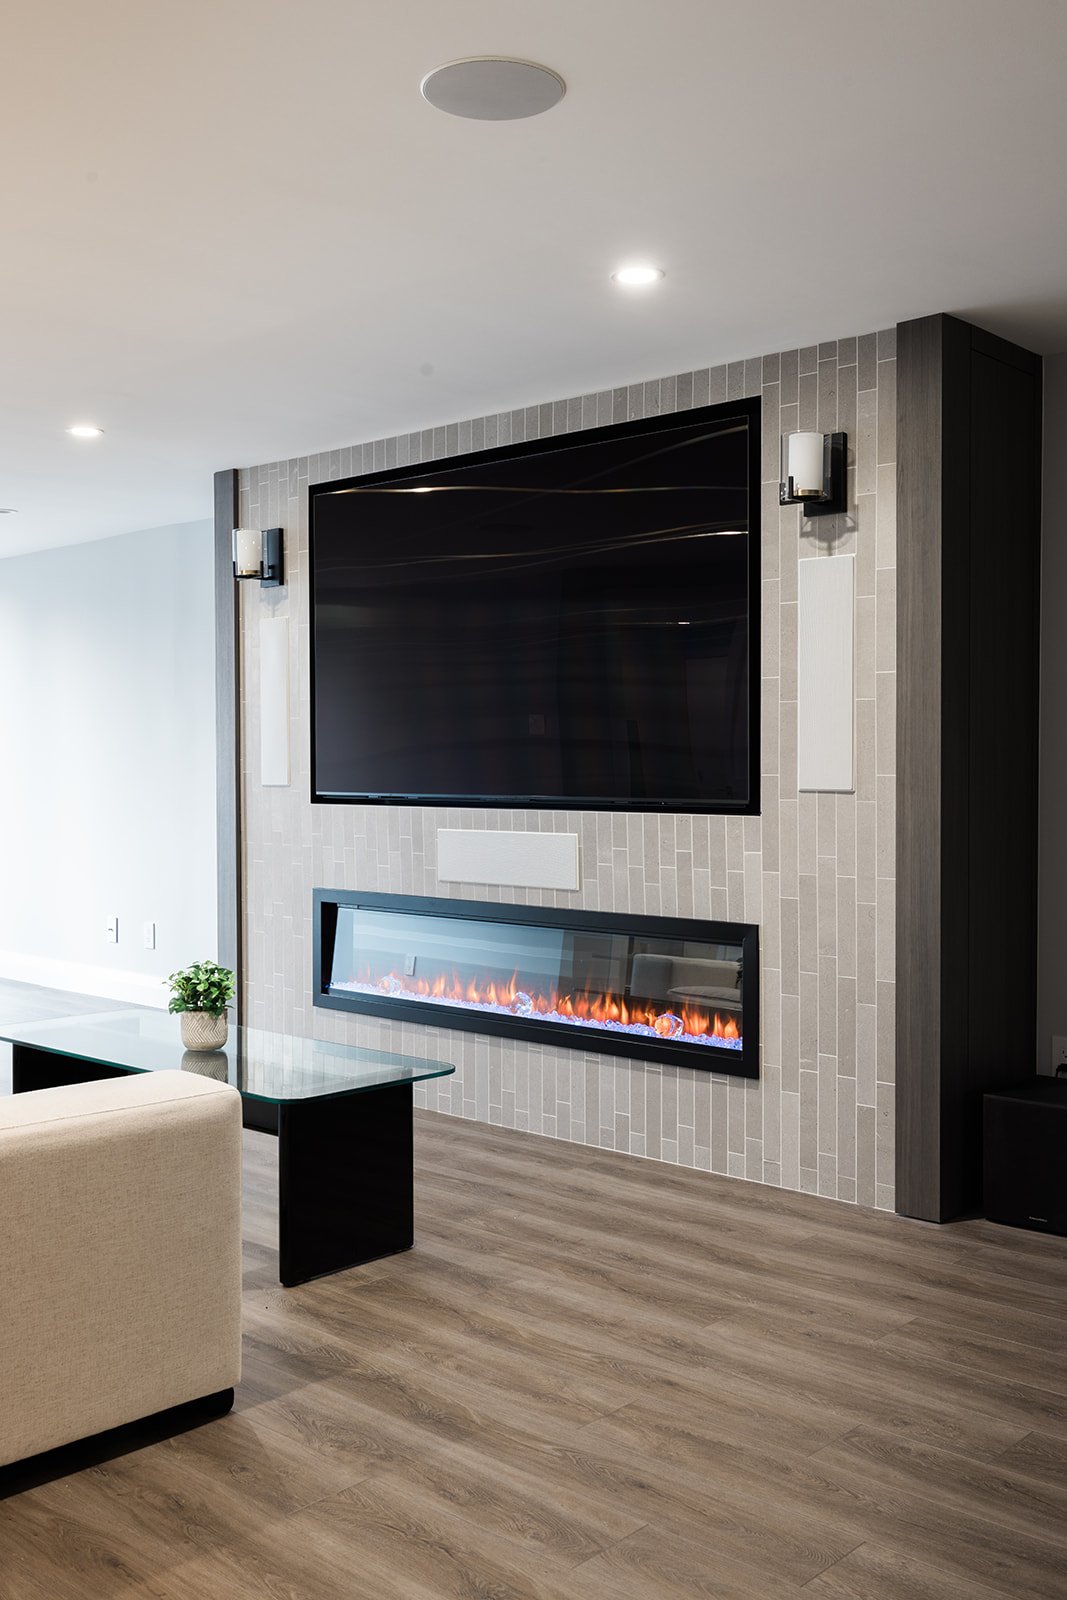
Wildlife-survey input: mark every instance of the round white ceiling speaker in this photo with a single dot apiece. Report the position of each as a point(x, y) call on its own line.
point(493, 88)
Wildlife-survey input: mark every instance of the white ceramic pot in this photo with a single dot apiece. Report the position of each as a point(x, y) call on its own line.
point(202, 1031)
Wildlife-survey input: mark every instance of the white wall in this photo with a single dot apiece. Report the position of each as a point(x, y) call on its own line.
point(107, 733)
point(1052, 839)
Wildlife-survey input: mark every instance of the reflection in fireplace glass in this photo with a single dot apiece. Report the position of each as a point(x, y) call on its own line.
point(682, 990)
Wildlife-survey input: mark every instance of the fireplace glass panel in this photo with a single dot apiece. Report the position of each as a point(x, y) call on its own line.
point(685, 991)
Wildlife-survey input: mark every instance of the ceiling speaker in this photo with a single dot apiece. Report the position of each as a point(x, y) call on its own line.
point(493, 88)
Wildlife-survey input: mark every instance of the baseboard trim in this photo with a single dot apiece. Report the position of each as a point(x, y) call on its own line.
point(77, 977)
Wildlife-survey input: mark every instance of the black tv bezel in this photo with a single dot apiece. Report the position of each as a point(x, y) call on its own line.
point(751, 411)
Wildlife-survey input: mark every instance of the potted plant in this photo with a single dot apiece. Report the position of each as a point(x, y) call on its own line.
point(201, 993)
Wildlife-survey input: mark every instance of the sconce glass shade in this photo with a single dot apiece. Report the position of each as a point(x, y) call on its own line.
point(258, 553)
point(814, 472)
point(248, 552)
point(803, 461)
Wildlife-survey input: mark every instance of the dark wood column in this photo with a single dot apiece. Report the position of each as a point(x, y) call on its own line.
point(227, 727)
point(968, 565)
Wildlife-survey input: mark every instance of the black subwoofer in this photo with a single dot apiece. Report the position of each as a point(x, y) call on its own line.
point(1025, 1155)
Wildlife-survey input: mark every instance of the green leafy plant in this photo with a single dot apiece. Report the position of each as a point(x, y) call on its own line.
point(204, 986)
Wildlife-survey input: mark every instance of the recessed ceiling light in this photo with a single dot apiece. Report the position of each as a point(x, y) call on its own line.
point(493, 88)
point(8, 511)
point(85, 430)
point(637, 277)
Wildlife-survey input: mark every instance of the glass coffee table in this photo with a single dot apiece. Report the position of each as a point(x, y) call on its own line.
point(342, 1115)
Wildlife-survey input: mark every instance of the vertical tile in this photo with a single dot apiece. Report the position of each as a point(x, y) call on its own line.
point(846, 926)
point(867, 442)
point(790, 1055)
point(845, 1132)
point(790, 1166)
point(809, 1119)
point(867, 357)
point(885, 1145)
point(885, 930)
point(827, 401)
point(808, 922)
point(885, 1044)
point(808, 418)
point(847, 407)
point(809, 1019)
point(789, 936)
point(885, 621)
point(885, 725)
point(771, 463)
point(789, 368)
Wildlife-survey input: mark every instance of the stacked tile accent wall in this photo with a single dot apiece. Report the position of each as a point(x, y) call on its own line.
point(816, 872)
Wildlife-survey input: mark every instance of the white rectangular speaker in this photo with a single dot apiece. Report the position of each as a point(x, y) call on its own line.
point(274, 701)
point(826, 677)
point(521, 860)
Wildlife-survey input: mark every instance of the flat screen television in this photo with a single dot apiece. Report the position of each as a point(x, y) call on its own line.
point(571, 622)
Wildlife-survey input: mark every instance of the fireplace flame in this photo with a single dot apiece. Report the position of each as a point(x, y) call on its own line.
point(670, 1022)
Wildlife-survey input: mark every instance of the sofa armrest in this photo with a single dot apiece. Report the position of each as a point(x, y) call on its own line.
point(120, 1253)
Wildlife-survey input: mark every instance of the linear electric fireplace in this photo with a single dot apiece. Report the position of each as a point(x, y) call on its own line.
point(662, 989)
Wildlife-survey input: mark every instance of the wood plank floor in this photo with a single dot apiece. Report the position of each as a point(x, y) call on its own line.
point(597, 1378)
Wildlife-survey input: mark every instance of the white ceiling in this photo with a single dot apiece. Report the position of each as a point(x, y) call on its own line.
point(233, 231)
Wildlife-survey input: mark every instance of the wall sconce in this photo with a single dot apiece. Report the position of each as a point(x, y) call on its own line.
point(257, 553)
point(814, 473)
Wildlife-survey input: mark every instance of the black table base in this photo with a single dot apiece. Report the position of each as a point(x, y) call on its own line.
point(345, 1181)
point(43, 1069)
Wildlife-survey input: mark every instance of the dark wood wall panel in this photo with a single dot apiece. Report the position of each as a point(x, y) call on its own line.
point(954, 978)
point(968, 520)
point(918, 965)
point(227, 726)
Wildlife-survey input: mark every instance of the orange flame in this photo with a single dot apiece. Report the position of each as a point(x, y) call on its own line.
point(696, 1022)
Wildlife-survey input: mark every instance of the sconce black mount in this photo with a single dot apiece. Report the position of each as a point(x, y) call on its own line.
point(273, 574)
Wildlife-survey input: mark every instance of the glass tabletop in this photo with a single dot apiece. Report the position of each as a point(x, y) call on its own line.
point(276, 1067)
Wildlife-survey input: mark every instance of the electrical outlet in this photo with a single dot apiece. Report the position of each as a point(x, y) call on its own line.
point(150, 936)
point(112, 930)
point(1059, 1050)
point(409, 966)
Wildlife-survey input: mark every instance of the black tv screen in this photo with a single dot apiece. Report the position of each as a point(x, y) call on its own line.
point(566, 623)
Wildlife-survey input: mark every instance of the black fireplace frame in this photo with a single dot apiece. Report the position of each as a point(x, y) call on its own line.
point(743, 1063)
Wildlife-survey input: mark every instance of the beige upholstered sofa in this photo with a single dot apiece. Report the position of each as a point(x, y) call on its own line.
point(120, 1254)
